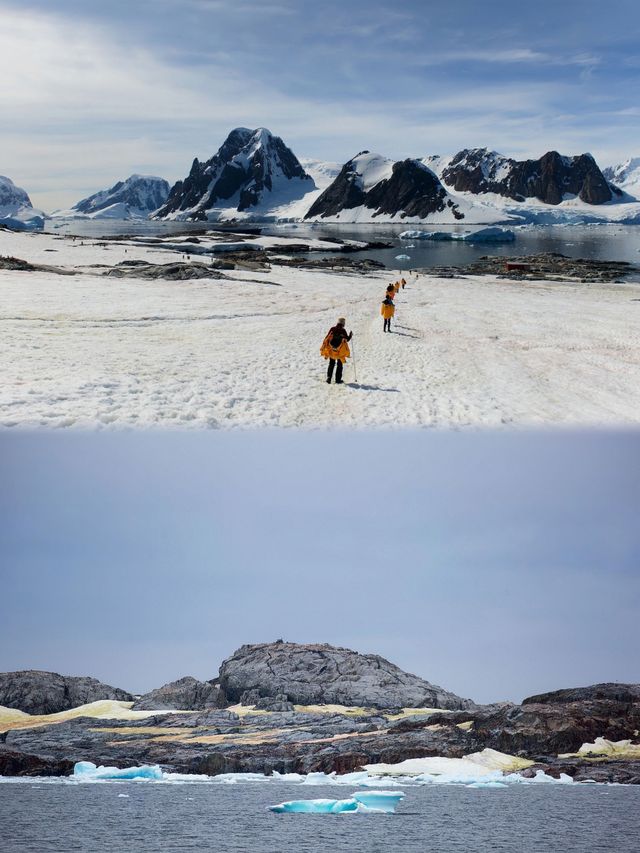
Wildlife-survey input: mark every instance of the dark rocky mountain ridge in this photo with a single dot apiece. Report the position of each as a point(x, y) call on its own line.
point(548, 179)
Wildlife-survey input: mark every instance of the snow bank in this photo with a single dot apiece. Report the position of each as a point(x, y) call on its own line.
point(380, 802)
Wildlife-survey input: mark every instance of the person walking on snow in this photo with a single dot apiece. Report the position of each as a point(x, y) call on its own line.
point(335, 347)
point(391, 291)
point(387, 309)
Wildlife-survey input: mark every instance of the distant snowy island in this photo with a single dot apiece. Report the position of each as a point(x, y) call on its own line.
point(255, 177)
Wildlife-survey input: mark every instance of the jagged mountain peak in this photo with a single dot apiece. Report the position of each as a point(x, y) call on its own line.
point(250, 167)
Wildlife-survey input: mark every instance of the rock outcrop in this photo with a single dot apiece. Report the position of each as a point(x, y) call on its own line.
point(609, 692)
point(38, 692)
point(549, 179)
point(405, 188)
point(221, 741)
point(250, 167)
point(186, 694)
point(308, 674)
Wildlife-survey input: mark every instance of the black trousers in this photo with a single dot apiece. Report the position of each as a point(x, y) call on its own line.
point(334, 362)
point(387, 325)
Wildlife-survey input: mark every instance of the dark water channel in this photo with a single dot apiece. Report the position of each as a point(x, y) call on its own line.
point(42, 817)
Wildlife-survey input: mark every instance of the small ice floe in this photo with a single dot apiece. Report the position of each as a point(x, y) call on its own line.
point(86, 771)
point(124, 796)
point(403, 257)
point(374, 802)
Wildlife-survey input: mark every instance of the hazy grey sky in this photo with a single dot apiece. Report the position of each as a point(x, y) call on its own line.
point(497, 565)
point(93, 91)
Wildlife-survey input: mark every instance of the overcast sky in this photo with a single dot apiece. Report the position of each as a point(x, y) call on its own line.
point(496, 565)
point(92, 92)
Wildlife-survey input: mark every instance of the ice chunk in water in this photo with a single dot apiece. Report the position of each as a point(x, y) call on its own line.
point(361, 801)
point(86, 771)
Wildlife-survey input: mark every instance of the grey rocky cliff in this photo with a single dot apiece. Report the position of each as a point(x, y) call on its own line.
point(478, 170)
point(186, 694)
point(38, 692)
point(611, 692)
point(307, 674)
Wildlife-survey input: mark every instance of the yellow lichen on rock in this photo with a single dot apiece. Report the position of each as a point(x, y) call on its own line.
point(104, 709)
point(602, 747)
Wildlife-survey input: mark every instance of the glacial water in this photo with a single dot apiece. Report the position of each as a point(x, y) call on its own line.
point(598, 242)
point(52, 816)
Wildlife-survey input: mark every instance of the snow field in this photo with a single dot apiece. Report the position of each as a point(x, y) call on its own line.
point(88, 351)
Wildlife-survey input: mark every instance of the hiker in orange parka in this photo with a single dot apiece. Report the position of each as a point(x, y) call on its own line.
point(397, 286)
point(391, 291)
point(335, 347)
point(403, 283)
point(387, 309)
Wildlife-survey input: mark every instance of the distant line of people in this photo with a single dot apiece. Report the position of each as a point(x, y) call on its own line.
point(335, 346)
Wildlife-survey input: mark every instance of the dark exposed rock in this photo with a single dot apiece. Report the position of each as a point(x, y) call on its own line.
point(186, 694)
point(548, 179)
point(320, 673)
point(9, 263)
point(607, 691)
point(14, 763)
point(172, 272)
point(248, 163)
point(38, 692)
point(549, 266)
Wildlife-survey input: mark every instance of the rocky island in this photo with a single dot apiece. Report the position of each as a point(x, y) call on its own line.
point(302, 708)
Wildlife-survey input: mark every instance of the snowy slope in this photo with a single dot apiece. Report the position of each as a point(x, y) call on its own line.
point(16, 210)
point(134, 198)
point(626, 176)
point(95, 351)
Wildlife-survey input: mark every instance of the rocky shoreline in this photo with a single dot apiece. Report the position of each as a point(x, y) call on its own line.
point(273, 708)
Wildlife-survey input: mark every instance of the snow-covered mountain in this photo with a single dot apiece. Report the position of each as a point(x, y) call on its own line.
point(134, 198)
point(16, 210)
point(370, 186)
point(550, 179)
point(626, 176)
point(252, 175)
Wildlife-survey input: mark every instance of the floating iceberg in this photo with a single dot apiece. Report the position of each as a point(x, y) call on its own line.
point(362, 801)
point(86, 771)
point(403, 257)
point(483, 235)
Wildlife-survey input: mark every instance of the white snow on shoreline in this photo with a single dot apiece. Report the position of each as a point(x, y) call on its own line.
point(94, 352)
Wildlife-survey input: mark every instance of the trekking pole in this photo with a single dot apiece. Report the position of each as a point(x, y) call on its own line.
point(353, 356)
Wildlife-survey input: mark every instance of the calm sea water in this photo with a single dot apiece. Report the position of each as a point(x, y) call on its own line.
point(602, 242)
point(95, 818)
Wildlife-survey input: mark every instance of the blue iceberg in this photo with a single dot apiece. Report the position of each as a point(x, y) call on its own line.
point(483, 235)
point(381, 802)
point(86, 771)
